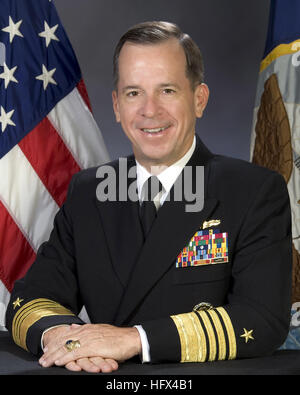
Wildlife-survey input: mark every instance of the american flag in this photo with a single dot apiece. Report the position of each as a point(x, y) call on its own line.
point(47, 131)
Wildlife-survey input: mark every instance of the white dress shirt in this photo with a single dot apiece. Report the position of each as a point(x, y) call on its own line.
point(167, 177)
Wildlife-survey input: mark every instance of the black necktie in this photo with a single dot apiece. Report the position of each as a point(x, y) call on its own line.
point(148, 210)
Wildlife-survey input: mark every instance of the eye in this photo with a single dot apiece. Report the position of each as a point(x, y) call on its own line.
point(168, 91)
point(132, 93)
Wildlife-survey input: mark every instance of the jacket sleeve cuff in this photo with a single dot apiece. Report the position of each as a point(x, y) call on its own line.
point(163, 340)
point(34, 317)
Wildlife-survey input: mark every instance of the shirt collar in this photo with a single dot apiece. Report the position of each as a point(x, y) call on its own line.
point(168, 176)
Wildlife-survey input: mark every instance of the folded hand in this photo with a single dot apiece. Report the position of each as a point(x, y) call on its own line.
point(101, 346)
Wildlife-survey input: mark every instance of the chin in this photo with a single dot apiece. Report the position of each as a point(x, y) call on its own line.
point(158, 158)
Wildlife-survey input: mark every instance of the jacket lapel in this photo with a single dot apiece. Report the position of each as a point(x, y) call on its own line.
point(120, 220)
point(172, 230)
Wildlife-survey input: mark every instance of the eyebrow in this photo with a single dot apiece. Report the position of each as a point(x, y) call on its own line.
point(130, 87)
point(164, 85)
point(173, 84)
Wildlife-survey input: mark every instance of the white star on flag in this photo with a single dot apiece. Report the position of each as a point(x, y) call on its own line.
point(5, 118)
point(13, 29)
point(8, 75)
point(48, 33)
point(46, 77)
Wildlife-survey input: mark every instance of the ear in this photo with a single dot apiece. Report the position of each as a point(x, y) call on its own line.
point(116, 105)
point(200, 99)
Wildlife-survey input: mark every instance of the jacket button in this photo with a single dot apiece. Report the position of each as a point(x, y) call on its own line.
point(203, 306)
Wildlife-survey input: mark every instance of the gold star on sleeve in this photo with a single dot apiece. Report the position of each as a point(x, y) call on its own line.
point(247, 335)
point(17, 302)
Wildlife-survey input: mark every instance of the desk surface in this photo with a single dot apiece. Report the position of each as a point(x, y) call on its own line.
point(16, 361)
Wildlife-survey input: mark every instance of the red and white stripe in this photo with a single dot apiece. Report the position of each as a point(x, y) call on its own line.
point(34, 179)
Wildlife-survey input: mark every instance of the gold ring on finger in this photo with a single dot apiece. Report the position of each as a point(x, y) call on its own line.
point(70, 345)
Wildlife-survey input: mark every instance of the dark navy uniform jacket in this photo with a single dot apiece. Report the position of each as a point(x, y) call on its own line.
point(232, 305)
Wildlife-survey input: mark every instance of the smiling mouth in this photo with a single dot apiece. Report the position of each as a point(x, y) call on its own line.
point(155, 130)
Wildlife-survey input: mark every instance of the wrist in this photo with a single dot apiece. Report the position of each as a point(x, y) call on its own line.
point(136, 341)
point(53, 332)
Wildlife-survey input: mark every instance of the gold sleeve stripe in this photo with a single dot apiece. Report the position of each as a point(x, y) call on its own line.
point(200, 338)
point(220, 334)
point(211, 336)
point(203, 335)
point(32, 312)
point(181, 323)
point(230, 332)
point(192, 337)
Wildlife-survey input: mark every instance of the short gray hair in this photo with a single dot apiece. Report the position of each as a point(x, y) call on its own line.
point(156, 32)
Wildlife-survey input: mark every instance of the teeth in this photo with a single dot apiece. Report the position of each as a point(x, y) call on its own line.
point(154, 130)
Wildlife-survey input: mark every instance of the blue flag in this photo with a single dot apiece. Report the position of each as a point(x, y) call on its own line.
point(275, 140)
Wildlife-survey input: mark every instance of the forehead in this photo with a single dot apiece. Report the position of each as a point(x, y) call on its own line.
point(164, 57)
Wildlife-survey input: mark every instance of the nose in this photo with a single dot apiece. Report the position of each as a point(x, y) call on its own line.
point(150, 107)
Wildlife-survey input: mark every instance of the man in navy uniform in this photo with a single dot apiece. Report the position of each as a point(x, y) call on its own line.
point(190, 286)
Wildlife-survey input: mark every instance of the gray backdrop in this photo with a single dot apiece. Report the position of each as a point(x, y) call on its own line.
point(230, 33)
